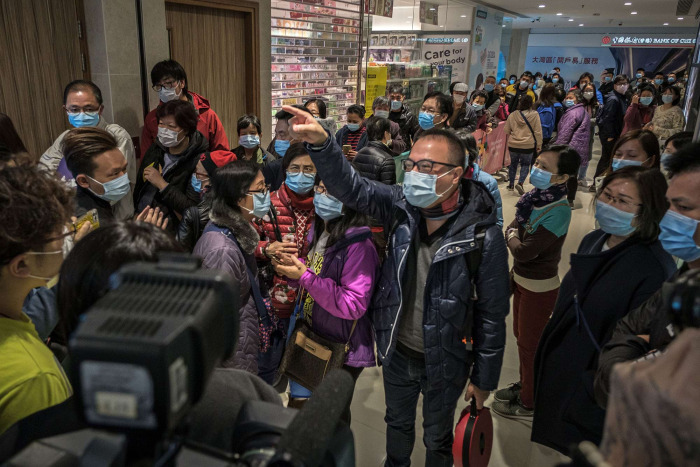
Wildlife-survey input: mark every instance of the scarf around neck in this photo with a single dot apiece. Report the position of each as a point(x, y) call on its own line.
point(447, 208)
point(537, 198)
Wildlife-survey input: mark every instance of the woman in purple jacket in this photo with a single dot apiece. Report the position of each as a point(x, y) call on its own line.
point(574, 130)
point(338, 280)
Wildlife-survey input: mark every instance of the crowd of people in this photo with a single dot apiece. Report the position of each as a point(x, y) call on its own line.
point(384, 235)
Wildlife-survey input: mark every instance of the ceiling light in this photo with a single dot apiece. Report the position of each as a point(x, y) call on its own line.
point(542, 6)
point(633, 13)
point(628, 3)
point(581, 24)
point(559, 14)
point(680, 18)
point(463, 16)
point(571, 19)
point(432, 9)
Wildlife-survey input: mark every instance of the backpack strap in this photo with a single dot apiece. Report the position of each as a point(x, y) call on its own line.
point(531, 130)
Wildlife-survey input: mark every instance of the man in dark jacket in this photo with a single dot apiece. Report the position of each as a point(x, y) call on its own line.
point(649, 327)
point(402, 115)
point(431, 316)
point(606, 82)
point(380, 108)
point(611, 121)
point(375, 161)
point(99, 169)
point(463, 115)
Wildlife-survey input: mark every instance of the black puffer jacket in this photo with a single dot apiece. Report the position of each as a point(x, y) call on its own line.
point(408, 124)
point(192, 224)
point(375, 162)
point(466, 118)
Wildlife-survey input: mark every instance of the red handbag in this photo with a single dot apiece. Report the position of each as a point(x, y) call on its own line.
point(473, 437)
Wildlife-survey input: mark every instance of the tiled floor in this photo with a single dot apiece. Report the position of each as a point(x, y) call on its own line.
point(512, 445)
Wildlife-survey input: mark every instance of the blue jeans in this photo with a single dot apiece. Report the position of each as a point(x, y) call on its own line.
point(523, 158)
point(404, 380)
point(269, 362)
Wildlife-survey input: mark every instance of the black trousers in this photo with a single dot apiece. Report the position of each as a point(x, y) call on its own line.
point(605, 155)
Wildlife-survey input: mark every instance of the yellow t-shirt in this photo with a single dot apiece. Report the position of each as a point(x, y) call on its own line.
point(31, 378)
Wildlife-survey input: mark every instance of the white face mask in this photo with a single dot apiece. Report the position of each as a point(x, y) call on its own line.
point(459, 99)
point(169, 94)
point(622, 88)
point(41, 253)
point(382, 113)
point(168, 137)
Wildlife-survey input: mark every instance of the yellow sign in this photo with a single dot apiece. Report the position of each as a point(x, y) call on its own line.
point(376, 84)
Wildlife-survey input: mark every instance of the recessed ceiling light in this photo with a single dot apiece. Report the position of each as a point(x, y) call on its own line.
point(665, 24)
point(680, 19)
point(432, 9)
point(633, 13)
point(463, 16)
point(581, 24)
point(542, 6)
point(628, 3)
point(559, 14)
point(571, 19)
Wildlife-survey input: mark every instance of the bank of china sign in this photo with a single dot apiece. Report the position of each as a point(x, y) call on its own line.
point(648, 40)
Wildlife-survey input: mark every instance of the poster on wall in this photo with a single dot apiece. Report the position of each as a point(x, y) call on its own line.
point(573, 61)
point(486, 45)
point(380, 7)
point(376, 83)
point(428, 13)
point(447, 50)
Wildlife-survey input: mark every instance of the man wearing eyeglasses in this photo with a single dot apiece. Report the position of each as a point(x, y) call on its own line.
point(82, 101)
point(170, 82)
point(436, 324)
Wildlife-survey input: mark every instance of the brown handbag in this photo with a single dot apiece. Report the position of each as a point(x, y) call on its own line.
point(309, 357)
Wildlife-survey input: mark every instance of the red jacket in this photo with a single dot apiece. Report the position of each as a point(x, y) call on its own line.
point(295, 217)
point(209, 125)
point(637, 116)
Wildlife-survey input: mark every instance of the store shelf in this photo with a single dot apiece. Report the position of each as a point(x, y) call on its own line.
point(401, 80)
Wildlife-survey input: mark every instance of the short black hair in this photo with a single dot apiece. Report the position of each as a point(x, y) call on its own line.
point(184, 112)
point(246, 120)
point(479, 93)
point(680, 139)
point(82, 85)
point(456, 150)
point(357, 110)
point(396, 89)
point(284, 115)
point(320, 103)
point(380, 101)
point(526, 102)
point(647, 87)
point(642, 69)
point(444, 101)
point(513, 76)
point(569, 159)
point(619, 78)
point(86, 271)
point(586, 74)
point(81, 146)
point(168, 68)
point(469, 143)
point(684, 160)
point(229, 184)
point(376, 127)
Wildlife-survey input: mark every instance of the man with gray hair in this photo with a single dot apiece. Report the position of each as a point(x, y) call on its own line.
point(381, 108)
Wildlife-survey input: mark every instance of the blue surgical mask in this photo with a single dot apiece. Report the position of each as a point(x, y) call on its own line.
point(614, 221)
point(541, 178)
point(114, 189)
point(638, 75)
point(608, 79)
point(512, 81)
point(249, 141)
point(667, 98)
point(425, 120)
point(488, 87)
point(395, 105)
point(261, 204)
point(353, 127)
point(327, 207)
point(664, 159)
point(646, 100)
point(676, 236)
point(478, 107)
point(671, 79)
point(620, 163)
point(281, 146)
point(555, 80)
point(83, 119)
point(533, 86)
point(658, 82)
point(419, 188)
point(569, 102)
point(504, 85)
point(300, 183)
point(382, 113)
point(196, 184)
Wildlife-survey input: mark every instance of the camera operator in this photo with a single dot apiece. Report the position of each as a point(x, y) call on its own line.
point(34, 209)
point(648, 327)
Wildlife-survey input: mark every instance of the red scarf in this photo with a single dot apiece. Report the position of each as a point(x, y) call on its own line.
point(447, 208)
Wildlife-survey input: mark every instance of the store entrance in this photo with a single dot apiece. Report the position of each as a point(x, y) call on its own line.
point(216, 42)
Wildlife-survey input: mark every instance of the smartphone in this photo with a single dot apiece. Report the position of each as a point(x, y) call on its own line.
point(91, 217)
point(346, 149)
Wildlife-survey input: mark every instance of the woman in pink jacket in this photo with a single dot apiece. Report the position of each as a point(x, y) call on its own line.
point(338, 280)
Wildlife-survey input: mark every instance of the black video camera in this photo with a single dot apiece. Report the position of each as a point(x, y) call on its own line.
point(682, 300)
point(141, 359)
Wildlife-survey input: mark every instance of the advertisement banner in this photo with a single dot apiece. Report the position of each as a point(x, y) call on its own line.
point(448, 50)
point(647, 40)
point(573, 61)
point(376, 83)
point(486, 45)
point(380, 7)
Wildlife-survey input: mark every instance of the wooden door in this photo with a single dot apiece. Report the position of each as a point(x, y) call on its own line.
point(41, 51)
point(216, 42)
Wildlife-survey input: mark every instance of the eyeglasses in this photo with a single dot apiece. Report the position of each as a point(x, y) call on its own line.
point(265, 190)
point(424, 166)
point(167, 84)
point(308, 171)
point(610, 199)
